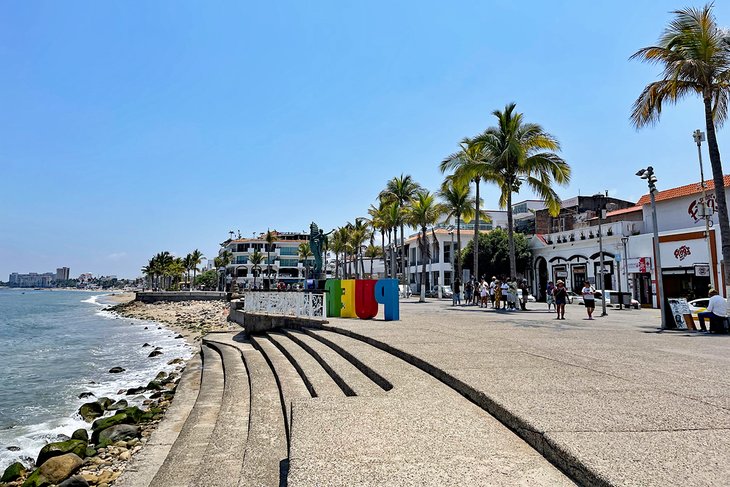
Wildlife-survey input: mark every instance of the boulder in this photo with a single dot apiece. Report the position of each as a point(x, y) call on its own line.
point(132, 415)
point(104, 402)
point(154, 353)
point(75, 481)
point(175, 361)
point(54, 471)
point(120, 432)
point(86, 395)
point(51, 450)
point(146, 345)
point(135, 390)
point(179, 336)
point(90, 411)
point(13, 448)
point(116, 370)
point(120, 404)
point(13, 472)
point(90, 452)
point(154, 385)
point(161, 375)
point(80, 434)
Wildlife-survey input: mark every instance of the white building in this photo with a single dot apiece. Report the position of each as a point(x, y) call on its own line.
point(689, 259)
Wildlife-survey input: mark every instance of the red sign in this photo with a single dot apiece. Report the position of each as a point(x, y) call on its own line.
point(682, 252)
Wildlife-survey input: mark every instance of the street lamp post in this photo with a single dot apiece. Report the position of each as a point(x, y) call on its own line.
point(651, 180)
point(624, 241)
point(699, 137)
point(601, 200)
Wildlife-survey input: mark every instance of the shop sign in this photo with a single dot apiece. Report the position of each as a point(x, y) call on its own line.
point(685, 253)
point(639, 265)
point(561, 274)
point(695, 207)
point(702, 270)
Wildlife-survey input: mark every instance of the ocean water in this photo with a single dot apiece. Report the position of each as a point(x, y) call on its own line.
point(55, 345)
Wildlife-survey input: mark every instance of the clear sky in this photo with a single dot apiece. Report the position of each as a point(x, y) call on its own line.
point(127, 128)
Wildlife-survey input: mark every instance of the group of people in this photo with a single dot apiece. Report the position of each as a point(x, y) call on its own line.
point(498, 293)
point(557, 295)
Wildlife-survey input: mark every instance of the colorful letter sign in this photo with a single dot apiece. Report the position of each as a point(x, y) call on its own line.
point(350, 298)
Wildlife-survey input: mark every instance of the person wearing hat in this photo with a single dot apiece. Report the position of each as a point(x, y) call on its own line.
point(561, 297)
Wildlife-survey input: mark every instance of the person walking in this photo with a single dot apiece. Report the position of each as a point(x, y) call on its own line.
point(589, 298)
point(549, 298)
point(483, 293)
point(491, 290)
point(504, 287)
point(497, 294)
point(561, 296)
point(525, 294)
point(513, 294)
point(455, 297)
point(468, 288)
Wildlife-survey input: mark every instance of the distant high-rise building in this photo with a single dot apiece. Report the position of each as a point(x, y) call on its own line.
point(62, 274)
point(31, 280)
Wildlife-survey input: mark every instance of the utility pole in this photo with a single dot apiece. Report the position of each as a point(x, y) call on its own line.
point(699, 137)
point(601, 199)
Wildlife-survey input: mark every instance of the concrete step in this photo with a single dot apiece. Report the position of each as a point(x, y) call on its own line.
point(351, 380)
point(321, 383)
point(265, 461)
point(144, 465)
point(223, 459)
point(182, 465)
point(291, 385)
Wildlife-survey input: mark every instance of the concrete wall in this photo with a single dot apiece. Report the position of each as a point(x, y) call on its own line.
point(176, 296)
point(256, 323)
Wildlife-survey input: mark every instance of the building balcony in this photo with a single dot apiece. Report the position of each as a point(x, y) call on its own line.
point(588, 233)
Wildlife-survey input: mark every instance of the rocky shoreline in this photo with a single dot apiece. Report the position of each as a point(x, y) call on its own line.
point(97, 455)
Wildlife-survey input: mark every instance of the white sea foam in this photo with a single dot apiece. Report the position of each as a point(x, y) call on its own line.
point(94, 299)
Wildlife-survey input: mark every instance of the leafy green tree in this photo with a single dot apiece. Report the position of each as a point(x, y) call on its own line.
point(196, 258)
point(460, 205)
point(207, 279)
point(694, 52)
point(494, 254)
point(373, 252)
point(305, 252)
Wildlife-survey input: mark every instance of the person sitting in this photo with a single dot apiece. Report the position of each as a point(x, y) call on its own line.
point(716, 311)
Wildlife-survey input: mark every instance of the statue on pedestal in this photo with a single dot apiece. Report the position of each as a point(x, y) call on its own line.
point(317, 243)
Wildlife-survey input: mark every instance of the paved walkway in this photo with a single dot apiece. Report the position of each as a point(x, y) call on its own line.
point(611, 400)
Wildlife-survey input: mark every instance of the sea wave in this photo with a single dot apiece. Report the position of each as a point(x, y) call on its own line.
point(94, 300)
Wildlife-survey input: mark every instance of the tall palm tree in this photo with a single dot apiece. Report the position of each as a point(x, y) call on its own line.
point(372, 252)
point(196, 258)
point(460, 205)
point(470, 164)
point(401, 189)
point(523, 152)
point(423, 212)
point(270, 239)
point(188, 262)
point(394, 217)
point(378, 222)
point(305, 252)
point(255, 260)
point(337, 246)
point(359, 234)
point(694, 52)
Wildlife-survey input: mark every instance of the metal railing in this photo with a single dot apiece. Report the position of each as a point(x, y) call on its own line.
point(300, 304)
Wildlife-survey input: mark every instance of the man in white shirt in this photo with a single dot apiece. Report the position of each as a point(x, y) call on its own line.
point(716, 310)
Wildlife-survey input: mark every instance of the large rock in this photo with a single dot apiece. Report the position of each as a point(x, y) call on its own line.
point(120, 432)
point(13, 472)
point(75, 481)
point(154, 353)
point(132, 415)
point(104, 402)
point(120, 404)
point(116, 370)
point(80, 434)
point(85, 395)
point(54, 471)
point(60, 448)
point(90, 411)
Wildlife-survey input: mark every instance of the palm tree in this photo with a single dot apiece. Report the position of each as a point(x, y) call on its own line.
point(188, 262)
point(424, 211)
point(694, 53)
point(394, 216)
point(270, 239)
point(378, 221)
point(359, 233)
point(196, 258)
point(470, 164)
point(337, 246)
point(305, 252)
point(402, 190)
point(523, 152)
point(458, 204)
point(372, 252)
point(255, 260)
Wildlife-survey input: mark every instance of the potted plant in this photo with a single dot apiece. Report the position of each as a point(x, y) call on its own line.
point(609, 232)
point(582, 236)
point(590, 234)
point(572, 237)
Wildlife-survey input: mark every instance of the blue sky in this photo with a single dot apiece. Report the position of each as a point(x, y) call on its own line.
point(132, 127)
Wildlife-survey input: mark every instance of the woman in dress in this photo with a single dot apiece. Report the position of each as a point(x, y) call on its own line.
point(561, 297)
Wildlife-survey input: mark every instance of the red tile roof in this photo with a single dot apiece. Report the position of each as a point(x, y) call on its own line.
point(681, 191)
point(624, 211)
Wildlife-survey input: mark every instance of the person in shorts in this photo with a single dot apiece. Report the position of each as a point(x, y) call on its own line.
point(549, 298)
point(589, 298)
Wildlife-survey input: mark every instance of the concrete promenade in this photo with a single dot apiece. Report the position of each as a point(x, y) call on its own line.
point(610, 401)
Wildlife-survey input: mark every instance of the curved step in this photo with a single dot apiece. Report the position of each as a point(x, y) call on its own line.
point(144, 465)
point(322, 383)
point(351, 380)
point(223, 459)
point(290, 382)
point(182, 464)
point(265, 461)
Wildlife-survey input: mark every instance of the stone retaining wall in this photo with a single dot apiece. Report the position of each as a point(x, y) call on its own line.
point(256, 322)
point(176, 296)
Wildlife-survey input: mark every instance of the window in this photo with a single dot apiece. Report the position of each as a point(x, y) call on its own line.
point(288, 251)
point(447, 252)
point(242, 259)
point(289, 262)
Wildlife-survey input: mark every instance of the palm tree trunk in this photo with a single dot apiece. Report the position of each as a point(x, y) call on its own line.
point(337, 265)
point(719, 181)
point(476, 232)
point(382, 246)
point(422, 297)
point(458, 248)
point(195, 273)
point(511, 238)
point(371, 266)
point(403, 253)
